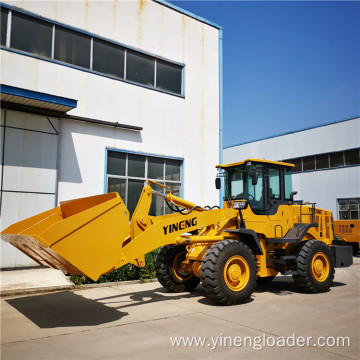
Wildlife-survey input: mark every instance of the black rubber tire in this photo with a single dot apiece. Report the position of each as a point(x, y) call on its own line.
point(165, 272)
point(265, 280)
point(305, 278)
point(212, 272)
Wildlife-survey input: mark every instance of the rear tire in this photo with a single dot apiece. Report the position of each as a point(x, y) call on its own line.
point(315, 267)
point(168, 270)
point(228, 272)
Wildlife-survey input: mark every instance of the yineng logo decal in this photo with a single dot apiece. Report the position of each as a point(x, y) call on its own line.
point(181, 225)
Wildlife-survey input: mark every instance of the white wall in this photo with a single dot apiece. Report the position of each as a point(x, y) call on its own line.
point(334, 137)
point(173, 126)
point(29, 174)
point(321, 186)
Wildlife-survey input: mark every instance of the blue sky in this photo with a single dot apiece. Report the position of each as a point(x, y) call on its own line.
point(287, 65)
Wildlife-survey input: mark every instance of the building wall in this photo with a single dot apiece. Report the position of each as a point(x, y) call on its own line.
point(321, 186)
point(185, 127)
point(29, 144)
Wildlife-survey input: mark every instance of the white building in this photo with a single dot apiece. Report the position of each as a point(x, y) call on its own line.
point(327, 163)
point(100, 96)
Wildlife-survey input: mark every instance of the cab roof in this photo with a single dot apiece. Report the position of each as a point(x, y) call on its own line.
point(259, 161)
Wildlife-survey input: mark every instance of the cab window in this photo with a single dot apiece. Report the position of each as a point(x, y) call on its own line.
point(274, 183)
point(288, 184)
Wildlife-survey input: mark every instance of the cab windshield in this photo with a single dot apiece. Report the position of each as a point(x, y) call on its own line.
point(239, 184)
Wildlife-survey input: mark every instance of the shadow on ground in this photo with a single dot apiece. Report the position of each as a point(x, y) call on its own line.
point(284, 285)
point(64, 309)
point(146, 297)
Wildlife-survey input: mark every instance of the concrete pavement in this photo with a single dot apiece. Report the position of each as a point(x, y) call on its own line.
point(27, 281)
point(138, 321)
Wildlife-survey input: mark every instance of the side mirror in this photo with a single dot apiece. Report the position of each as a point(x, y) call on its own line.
point(218, 183)
point(254, 178)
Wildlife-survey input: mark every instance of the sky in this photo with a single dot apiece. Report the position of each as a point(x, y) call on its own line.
point(287, 65)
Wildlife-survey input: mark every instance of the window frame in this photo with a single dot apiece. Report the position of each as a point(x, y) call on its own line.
point(339, 211)
point(92, 36)
point(32, 22)
point(328, 154)
point(126, 177)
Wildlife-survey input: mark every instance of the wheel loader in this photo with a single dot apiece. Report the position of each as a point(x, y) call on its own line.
point(260, 232)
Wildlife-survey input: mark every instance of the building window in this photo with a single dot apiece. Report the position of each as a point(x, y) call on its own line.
point(35, 35)
point(322, 161)
point(337, 159)
point(352, 157)
point(140, 68)
point(309, 163)
point(102, 53)
point(31, 35)
point(296, 162)
point(326, 161)
point(127, 174)
point(349, 209)
point(72, 47)
point(4, 16)
point(168, 77)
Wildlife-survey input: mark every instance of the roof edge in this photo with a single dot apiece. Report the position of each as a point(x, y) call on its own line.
point(37, 95)
point(188, 13)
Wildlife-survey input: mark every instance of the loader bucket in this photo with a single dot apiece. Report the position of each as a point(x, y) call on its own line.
point(83, 236)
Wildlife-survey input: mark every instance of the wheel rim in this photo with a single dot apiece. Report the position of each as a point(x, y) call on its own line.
point(236, 273)
point(320, 267)
point(179, 273)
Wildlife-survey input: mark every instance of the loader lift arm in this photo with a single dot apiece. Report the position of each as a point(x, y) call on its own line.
point(150, 232)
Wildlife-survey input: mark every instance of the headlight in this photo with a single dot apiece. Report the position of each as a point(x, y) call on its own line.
point(240, 204)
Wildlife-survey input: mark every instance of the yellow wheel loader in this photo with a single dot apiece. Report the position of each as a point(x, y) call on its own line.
point(260, 232)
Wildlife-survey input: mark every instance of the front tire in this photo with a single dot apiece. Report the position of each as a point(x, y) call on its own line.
point(228, 272)
point(169, 272)
point(315, 267)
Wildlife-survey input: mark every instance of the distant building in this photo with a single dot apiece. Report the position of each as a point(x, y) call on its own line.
point(101, 96)
point(327, 163)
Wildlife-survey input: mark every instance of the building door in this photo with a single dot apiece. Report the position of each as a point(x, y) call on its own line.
point(28, 171)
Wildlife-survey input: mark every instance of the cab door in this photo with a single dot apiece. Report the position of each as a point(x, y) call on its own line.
point(273, 194)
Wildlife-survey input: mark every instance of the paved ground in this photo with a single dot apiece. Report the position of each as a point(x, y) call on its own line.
point(137, 321)
point(33, 280)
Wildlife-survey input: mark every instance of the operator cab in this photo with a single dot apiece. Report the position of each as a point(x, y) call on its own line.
point(263, 184)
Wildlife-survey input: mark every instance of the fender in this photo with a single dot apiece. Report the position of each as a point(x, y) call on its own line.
point(250, 238)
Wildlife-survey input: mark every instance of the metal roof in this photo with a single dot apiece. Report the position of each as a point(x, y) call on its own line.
point(14, 95)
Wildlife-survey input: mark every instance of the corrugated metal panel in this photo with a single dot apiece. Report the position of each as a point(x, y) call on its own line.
point(35, 103)
point(11, 94)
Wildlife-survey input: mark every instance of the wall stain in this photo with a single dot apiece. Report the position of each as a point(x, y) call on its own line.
point(87, 7)
point(203, 44)
point(114, 15)
point(141, 7)
point(140, 14)
point(184, 24)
